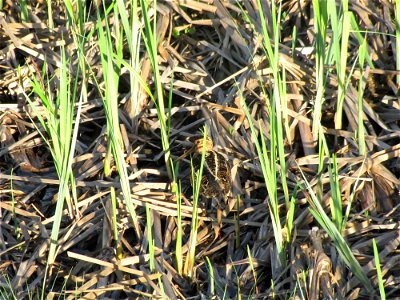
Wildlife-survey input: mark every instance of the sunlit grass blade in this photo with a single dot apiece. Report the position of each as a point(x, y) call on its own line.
point(291, 214)
point(381, 281)
point(336, 198)
point(281, 116)
point(294, 40)
point(151, 42)
point(114, 220)
point(211, 281)
point(320, 27)
point(360, 38)
point(149, 223)
point(196, 180)
point(24, 11)
point(50, 14)
point(352, 197)
point(340, 243)
point(132, 28)
point(341, 68)
point(110, 100)
point(57, 121)
point(253, 269)
point(277, 112)
point(179, 233)
point(6, 289)
point(13, 200)
point(361, 85)
point(268, 167)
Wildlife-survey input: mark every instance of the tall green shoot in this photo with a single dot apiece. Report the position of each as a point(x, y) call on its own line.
point(111, 69)
point(277, 117)
point(24, 11)
point(336, 198)
point(151, 42)
point(61, 125)
point(361, 85)
point(132, 28)
point(196, 180)
point(278, 107)
point(320, 27)
point(57, 120)
point(268, 167)
point(381, 281)
point(317, 210)
point(50, 14)
point(179, 233)
point(340, 40)
point(211, 278)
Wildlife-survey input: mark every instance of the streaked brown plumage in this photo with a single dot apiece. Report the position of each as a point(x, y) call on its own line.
point(216, 178)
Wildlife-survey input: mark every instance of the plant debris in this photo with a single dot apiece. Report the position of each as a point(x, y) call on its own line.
point(210, 57)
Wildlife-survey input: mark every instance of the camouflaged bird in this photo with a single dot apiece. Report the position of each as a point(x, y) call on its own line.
point(216, 178)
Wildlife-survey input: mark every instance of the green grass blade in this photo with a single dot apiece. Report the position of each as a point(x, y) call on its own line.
point(381, 281)
point(111, 69)
point(341, 245)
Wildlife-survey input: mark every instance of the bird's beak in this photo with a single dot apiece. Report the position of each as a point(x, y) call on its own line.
point(187, 153)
